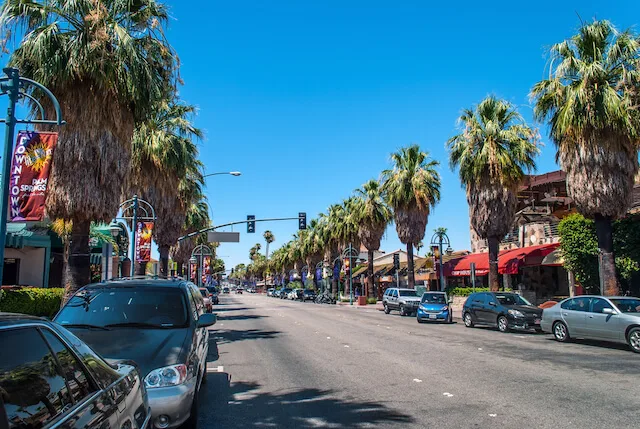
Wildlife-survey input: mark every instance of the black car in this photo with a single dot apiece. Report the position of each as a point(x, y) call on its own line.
point(284, 292)
point(159, 324)
point(504, 310)
point(48, 377)
point(309, 295)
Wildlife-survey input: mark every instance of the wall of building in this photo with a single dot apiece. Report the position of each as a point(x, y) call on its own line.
point(31, 264)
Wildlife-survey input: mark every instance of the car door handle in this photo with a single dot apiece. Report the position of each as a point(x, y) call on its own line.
point(565, 314)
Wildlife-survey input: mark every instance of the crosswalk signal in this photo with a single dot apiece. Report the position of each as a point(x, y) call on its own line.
point(396, 261)
point(251, 225)
point(302, 220)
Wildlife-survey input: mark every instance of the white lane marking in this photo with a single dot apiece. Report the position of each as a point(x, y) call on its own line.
point(328, 338)
point(492, 415)
point(388, 327)
point(480, 348)
point(220, 368)
point(447, 394)
point(417, 380)
point(346, 346)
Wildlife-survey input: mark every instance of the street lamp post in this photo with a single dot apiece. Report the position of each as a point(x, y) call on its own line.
point(17, 88)
point(320, 266)
point(440, 237)
point(349, 253)
point(231, 173)
point(148, 214)
point(200, 250)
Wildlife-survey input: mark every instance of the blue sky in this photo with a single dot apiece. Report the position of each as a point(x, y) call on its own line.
point(308, 99)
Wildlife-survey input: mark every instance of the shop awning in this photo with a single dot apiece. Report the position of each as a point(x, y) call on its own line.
point(553, 259)
point(509, 261)
point(362, 269)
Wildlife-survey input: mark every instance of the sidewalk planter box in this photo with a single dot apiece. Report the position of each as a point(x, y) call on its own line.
point(362, 300)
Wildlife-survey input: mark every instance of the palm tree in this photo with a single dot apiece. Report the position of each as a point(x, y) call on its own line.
point(107, 66)
point(411, 189)
point(269, 238)
point(590, 102)
point(163, 153)
point(372, 216)
point(492, 151)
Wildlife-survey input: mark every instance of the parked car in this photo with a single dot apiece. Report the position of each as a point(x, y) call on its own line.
point(239, 290)
point(504, 310)
point(309, 295)
point(51, 378)
point(406, 301)
point(293, 294)
point(284, 293)
point(226, 290)
point(206, 297)
point(435, 306)
point(251, 290)
point(270, 291)
point(615, 319)
point(159, 324)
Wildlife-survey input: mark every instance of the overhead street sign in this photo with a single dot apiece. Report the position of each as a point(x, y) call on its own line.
point(223, 237)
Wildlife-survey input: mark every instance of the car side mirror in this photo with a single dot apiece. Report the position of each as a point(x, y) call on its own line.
point(207, 319)
point(608, 311)
point(491, 303)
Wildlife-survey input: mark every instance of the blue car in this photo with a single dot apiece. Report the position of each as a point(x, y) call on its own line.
point(434, 306)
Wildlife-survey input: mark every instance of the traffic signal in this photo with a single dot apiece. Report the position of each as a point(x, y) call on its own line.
point(396, 261)
point(251, 225)
point(302, 221)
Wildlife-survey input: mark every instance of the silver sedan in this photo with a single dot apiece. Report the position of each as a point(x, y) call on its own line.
point(611, 318)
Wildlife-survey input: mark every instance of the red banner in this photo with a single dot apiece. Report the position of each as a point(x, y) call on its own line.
point(207, 265)
point(194, 271)
point(30, 175)
point(144, 233)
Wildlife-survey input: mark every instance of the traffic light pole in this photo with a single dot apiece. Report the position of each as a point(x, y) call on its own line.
point(239, 222)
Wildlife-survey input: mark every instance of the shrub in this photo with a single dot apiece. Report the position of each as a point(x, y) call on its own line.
point(372, 300)
point(466, 291)
point(34, 301)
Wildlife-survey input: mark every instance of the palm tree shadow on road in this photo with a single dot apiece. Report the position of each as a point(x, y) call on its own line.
point(231, 335)
point(242, 405)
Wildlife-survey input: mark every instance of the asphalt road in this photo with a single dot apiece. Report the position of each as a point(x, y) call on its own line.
point(284, 364)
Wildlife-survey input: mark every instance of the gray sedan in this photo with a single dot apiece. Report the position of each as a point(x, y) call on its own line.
point(612, 318)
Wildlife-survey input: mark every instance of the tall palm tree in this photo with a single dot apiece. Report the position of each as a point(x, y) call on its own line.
point(107, 66)
point(372, 216)
point(492, 151)
point(268, 238)
point(163, 153)
point(590, 100)
point(411, 189)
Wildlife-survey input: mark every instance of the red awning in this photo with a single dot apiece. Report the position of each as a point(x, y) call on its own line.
point(509, 261)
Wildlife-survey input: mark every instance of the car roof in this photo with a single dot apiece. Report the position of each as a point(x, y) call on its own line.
point(10, 319)
point(605, 297)
point(138, 282)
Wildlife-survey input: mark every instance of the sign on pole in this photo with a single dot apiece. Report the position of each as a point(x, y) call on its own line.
point(472, 266)
point(143, 241)
point(223, 237)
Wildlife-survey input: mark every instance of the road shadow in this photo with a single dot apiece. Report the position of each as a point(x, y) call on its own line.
point(213, 354)
point(240, 317)
point(241, 405)
point(597, 344)
point(221, 308)
point(231, 336)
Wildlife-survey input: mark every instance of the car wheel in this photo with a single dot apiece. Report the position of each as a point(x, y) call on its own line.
point(560, 332)
point(419, 320)
point(503, 324)
point(633, 338)
point(386, 309)
point(402, 311)
point(468, 321)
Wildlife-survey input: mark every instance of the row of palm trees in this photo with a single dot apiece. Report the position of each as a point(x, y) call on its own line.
point(127, 131)
point(591, 103)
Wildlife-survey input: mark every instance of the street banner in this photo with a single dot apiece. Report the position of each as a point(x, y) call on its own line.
point(207, 265)
point(336, 271)
point(30, 170)
point(319, 273)
point(144, 233)
point(194, 270)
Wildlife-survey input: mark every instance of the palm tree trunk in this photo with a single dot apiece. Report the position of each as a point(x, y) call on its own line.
point(180, 268)
point(411, 278)
point(78, 272)
point(604, 231)
point(494, 244)
point(371, 282)
point(164, 261)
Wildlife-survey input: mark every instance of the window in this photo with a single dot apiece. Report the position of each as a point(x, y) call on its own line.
point(576, 304)
point(162, 307)
point(192, 304)
point(408, 293)
point(395, 293)
point(478, 297)
point(599, 304)
point(434, 298)
point(627, 305)
point(73, 372)
point(33, 389)
point(511, 299)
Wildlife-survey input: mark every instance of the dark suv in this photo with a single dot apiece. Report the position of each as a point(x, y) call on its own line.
point(504, 310)
point(159, 324)
point(49, 378)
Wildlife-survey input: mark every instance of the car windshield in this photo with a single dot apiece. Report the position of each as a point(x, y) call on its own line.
point(433, 298)
point(512, 299)
point(149, 306)
point(408, 293)
point(627, 305)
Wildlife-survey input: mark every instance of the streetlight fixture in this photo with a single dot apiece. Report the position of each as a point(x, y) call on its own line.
point(200, 250)
point(440, 238)
point(350, 253)
point(231, 173)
